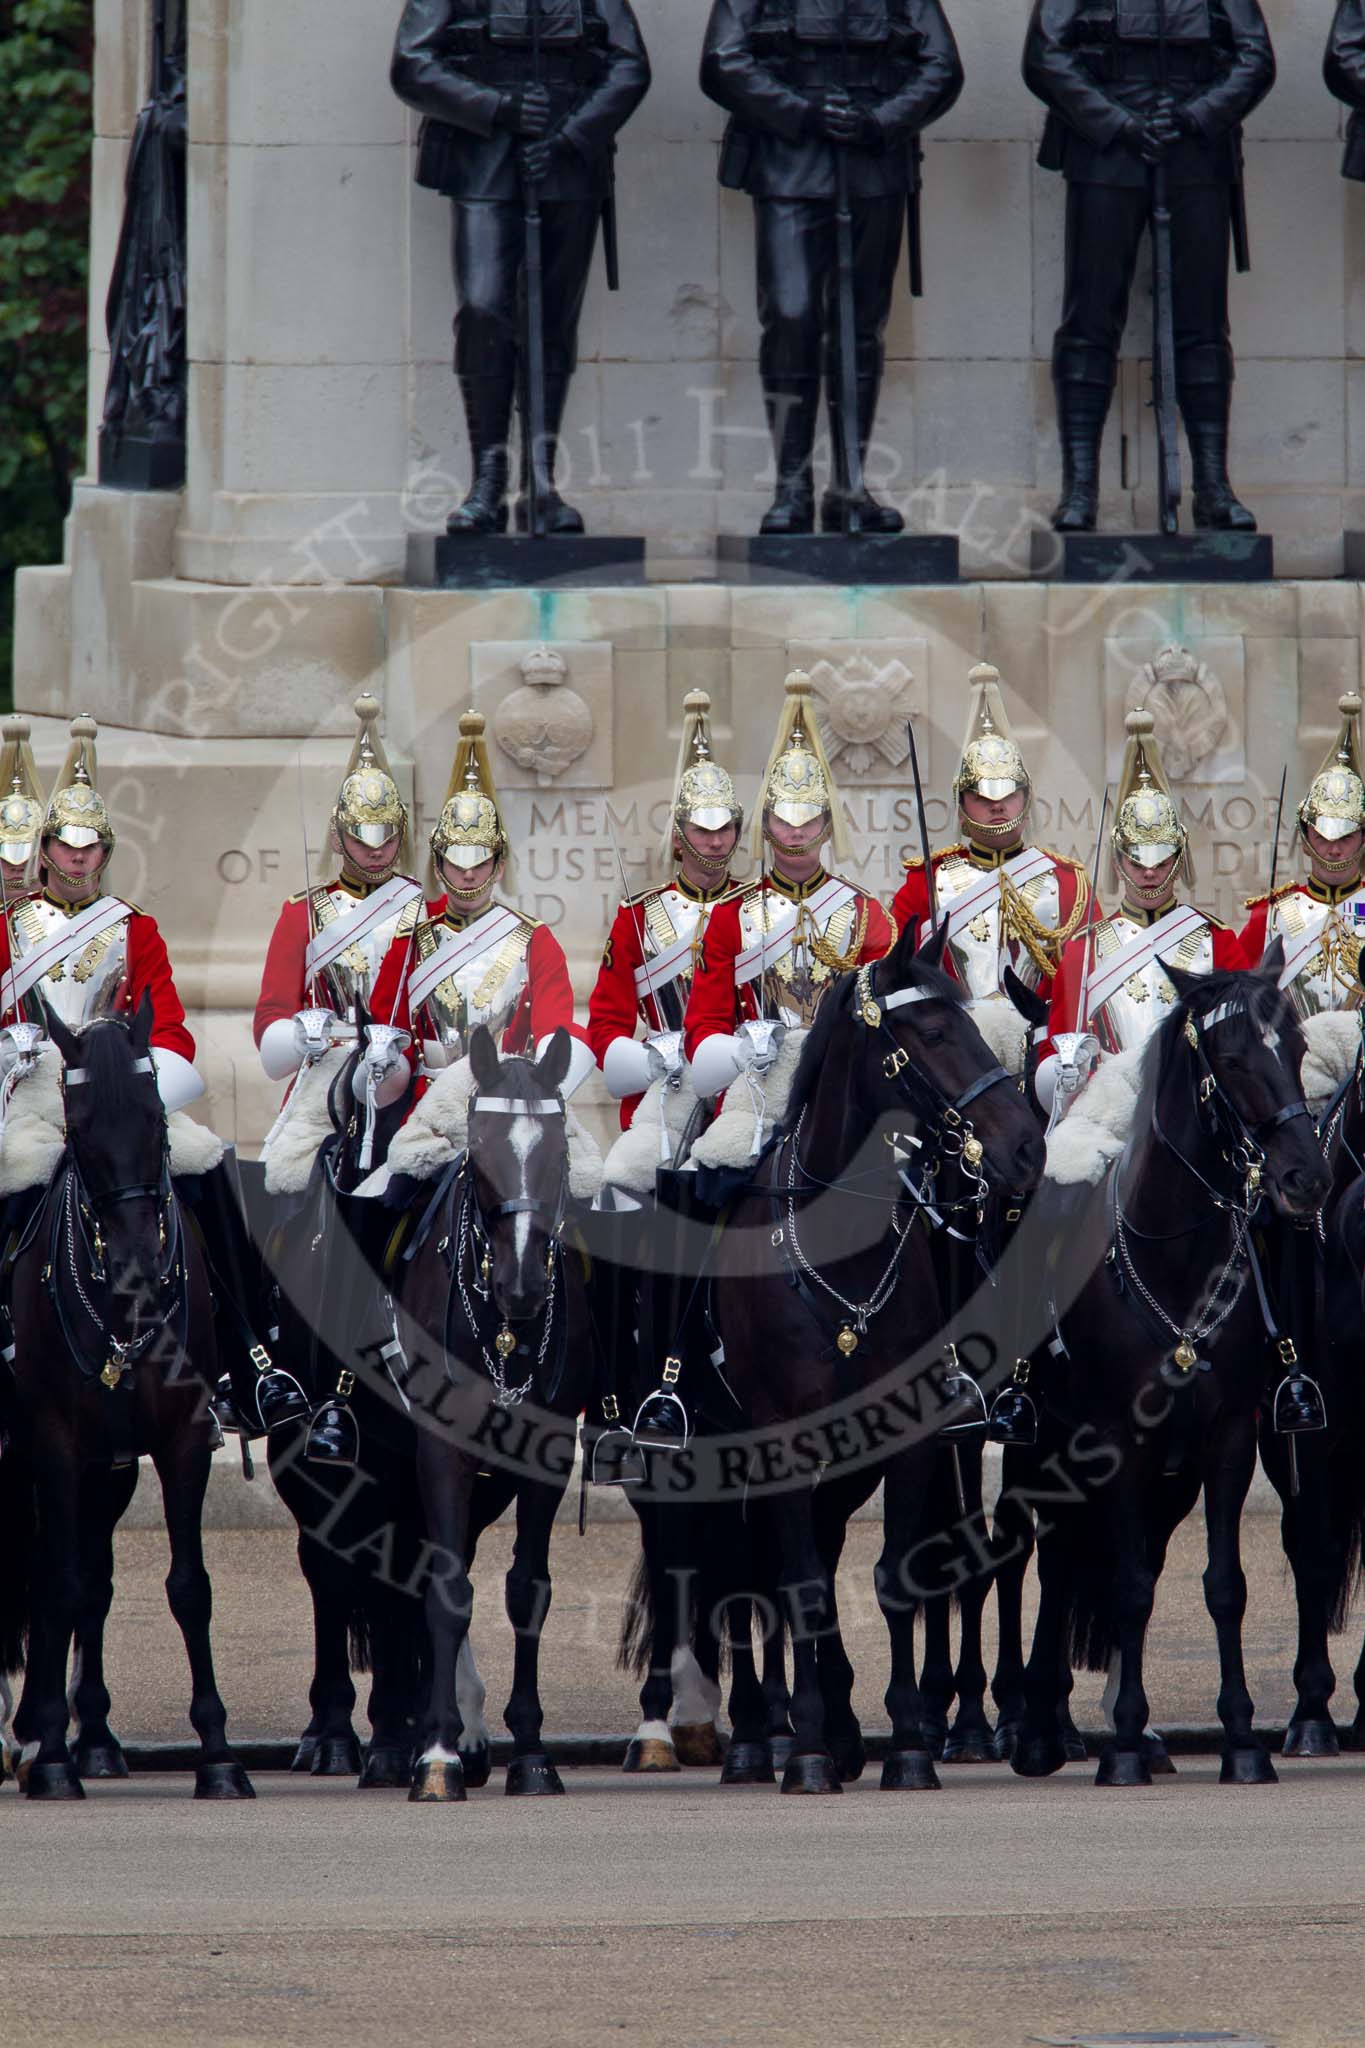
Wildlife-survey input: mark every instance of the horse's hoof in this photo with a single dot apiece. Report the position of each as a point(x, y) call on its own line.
point(478, 1766)
point(1316, 1737)
point(1006, 1741)
point(850, 1758)
point(935, 1738)
point(811, 1774)
point(336, 1756)
point(225, 1780)
point(1248, 1767)
point(969, 1746)
point(1158, 1756)
point(533, 1777)
point(101, 1759)
point(304, 1754)
point(1036, 1756)
point(1075, 1751)
point(748, 1763)
point(1354, 1736)
point(909, 1770)
point(436, 1781)
point(698, 1745)
point(57, 1780)
point(781, 1747)
point(1124, 1767)
point(649, 1754)
point(387, 1767)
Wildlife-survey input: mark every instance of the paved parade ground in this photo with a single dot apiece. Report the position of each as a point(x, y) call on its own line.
point(669, 1910)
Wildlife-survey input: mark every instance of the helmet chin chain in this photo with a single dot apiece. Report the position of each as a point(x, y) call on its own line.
point(709, 863)
point(368, 878)
point(982, 829)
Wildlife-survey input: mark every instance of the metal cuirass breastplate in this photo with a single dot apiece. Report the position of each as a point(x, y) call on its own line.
point(485, 989)
point(980, 950)
point(352, 975)
point(793, 979)
point(664, 919)
point(1330, 978)
point(1148, 996)
point(82, 990)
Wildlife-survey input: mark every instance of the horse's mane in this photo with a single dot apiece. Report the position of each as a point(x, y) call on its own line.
point(1255, 1004)
point(834, 1009)
point(107, 1057)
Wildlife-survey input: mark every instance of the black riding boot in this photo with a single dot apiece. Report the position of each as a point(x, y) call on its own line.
point(793, 408)
point(560, 518)
point(1205, 406)
point(356, 1326)
point(669, 1308)
point(488, 419)
point(1082, 408)
point(836, 504)
point(260, 1394)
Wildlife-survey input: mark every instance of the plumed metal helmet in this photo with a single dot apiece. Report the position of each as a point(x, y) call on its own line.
point(992, 765)
point(470, 830)
point(21, 799)
point(369, 806)
point(798, 786)
point(1148, 827)
point(75, 811)
point(1335, 803)
point(703, 794)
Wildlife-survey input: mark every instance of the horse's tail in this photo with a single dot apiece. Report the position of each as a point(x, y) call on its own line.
point(359, 1637)
point(637, 1621)
point(17, 1531)
point(1091, 1578)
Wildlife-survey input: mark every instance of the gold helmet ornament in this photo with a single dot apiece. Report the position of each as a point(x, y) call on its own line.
point(1147, 826)
point(21, 796)
point(1335, 803)
point(369, 806)
point(703, 794)
point(798, 785)
point(469, 830)
point(75, 812)
point(992, 765)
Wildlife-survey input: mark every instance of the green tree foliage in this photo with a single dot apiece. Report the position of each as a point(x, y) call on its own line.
point(46, 55)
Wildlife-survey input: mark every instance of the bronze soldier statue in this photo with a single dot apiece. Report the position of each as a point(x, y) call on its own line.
point(521, 102)
point(1131, 85)
point(1344, 69)
point(827, 100)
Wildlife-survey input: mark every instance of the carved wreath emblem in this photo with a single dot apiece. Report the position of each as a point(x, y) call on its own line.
point(862, 711)
point(1189, 705)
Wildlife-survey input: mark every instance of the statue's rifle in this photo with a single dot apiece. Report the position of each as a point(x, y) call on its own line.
point(1163, 312)
point(851, 482)
point(533, 418)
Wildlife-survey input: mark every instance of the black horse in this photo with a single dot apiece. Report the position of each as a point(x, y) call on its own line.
point(359, 1525)
point(1161, 1326)
point(826, 1302)
point(494, 1319)
point(114, 1356)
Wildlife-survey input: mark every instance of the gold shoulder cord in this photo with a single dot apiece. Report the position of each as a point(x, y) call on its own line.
point(1042, 942)
point(829, 956)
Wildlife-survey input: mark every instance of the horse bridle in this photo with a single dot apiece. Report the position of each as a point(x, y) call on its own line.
point(952, 1130)
point(1216, 1112)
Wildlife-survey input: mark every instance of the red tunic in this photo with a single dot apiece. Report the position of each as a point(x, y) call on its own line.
point(1228, 957)
point(148, 968)
point(717, 1004)
point(614, 1008)
point(911, 905)
point(546, 1002)
point(283, 987)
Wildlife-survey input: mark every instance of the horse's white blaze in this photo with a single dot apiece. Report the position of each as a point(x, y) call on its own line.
point(526, 1134)
point(470, 1694)
point(696, 1698)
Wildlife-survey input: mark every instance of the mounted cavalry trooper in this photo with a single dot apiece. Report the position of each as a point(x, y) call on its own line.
point(646, 979)
point(1321, 918)
point(325, 953)
point(773, 949)
point(470, 959)
point(21, 811)
point(71, 951)
point(1008, 903)
point(1112, 991)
